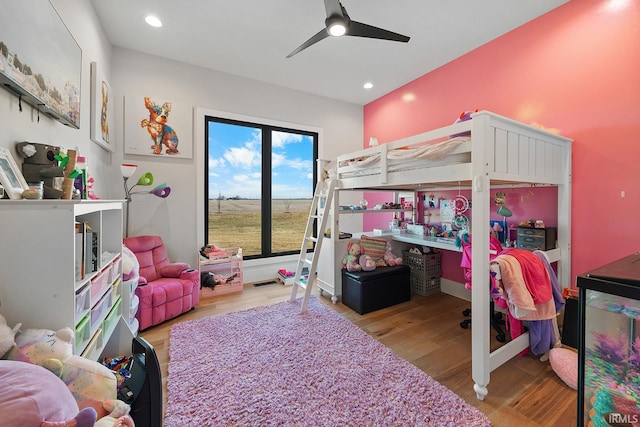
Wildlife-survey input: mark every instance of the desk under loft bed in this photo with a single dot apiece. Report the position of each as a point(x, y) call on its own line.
point(498, 152)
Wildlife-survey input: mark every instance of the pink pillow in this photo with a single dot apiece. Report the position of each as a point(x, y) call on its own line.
point(30, 395)
point(564, 363)
point(375, 248)
point(173, 269)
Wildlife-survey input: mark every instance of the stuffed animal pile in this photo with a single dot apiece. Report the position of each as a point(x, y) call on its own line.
point(368, 254)
point(91, 385)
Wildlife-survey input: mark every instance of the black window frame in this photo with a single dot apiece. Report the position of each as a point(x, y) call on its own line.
point(266, 200)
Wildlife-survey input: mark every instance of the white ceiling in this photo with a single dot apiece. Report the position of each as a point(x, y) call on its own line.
point(251, 38)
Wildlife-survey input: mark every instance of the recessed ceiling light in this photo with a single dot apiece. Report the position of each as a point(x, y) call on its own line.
point(368, 85)
point(153, 21)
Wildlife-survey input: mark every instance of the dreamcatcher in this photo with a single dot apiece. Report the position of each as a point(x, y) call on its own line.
point(459, 205)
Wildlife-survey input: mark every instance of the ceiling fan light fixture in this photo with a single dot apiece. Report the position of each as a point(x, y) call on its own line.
point(336, 26)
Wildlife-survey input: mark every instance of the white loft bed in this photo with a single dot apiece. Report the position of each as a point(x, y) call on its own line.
point(499, 152)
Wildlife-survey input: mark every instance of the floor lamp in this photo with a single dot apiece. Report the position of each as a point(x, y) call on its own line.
point(505, 212)
point(145, 180)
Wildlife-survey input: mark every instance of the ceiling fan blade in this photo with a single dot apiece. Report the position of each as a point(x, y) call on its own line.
point(333, 8)
point(359, 29)
point(313, 40)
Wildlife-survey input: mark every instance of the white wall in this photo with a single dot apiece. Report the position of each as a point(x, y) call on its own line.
point(128, 72)
point(178, 218)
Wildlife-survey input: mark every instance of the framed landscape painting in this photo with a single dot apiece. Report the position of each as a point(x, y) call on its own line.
point(40, 61)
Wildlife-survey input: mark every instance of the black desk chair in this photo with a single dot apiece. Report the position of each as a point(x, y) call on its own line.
point(496, 321)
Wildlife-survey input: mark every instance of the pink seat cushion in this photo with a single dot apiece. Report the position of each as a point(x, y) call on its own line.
point(564, 363)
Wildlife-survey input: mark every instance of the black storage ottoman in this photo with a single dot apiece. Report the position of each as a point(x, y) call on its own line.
point(366, 291)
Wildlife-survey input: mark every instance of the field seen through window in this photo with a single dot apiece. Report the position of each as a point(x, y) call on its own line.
point(236, 223)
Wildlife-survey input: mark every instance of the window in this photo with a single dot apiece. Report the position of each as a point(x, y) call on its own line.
point(259, 186)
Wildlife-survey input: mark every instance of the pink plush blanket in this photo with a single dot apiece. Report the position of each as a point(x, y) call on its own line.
point(534, 274)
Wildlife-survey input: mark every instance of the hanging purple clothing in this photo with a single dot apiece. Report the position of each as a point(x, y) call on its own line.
point(542, 337)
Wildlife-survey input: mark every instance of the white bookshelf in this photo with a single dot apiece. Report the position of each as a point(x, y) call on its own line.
point(40, 284)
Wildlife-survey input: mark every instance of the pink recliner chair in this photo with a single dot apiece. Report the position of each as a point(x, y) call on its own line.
point(165, 289)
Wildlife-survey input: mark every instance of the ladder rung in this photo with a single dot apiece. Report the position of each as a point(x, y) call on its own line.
point(316, 213)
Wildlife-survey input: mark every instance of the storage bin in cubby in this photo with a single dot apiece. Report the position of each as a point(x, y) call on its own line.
point(83, 300)
point(92, 351)
point(115, 287)
point(134, 308)
point(100, 310)
point(112, 318)
point(83, 334)
point(100, 282)
point(116, 270)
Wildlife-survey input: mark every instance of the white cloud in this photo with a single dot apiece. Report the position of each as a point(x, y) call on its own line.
point(216, 163)
point(278, 159)
point(280, 139)
point(244, 157)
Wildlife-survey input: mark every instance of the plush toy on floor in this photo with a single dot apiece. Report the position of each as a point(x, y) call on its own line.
point(118, 415)
point(45, 385)
point(31, 396)
point(90, 383)
point(7, 336)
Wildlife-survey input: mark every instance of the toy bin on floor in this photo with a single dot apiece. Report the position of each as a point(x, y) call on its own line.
point(366, 291)
point(223, 271)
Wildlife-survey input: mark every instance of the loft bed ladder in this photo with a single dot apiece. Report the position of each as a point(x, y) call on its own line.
point(320, 206)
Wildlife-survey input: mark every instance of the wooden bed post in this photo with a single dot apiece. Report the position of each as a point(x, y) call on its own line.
point(480, 367)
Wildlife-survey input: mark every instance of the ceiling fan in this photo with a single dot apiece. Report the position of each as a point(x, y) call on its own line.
point(338, 24)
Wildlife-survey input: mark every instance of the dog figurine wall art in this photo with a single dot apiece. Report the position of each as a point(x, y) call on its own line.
point(161, 133)
point(104, 116)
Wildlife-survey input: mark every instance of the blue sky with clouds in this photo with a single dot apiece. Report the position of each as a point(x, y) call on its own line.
point(235, 163)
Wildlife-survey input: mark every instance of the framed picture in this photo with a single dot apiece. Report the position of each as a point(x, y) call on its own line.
point(102, 115)
point(40, 60)
point(10, 176)
point(157, 126)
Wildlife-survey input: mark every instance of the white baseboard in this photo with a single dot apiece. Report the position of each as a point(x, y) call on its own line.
point(455, 289)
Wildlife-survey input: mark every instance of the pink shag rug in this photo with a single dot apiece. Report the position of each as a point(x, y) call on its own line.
point(274, 366)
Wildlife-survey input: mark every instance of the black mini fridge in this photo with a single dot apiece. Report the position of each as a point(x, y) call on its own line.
point(609, 344)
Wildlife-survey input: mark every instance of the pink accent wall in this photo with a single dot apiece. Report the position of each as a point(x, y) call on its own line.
point(576, 69)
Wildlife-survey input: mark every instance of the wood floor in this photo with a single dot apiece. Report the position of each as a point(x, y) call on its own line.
point(426, 332)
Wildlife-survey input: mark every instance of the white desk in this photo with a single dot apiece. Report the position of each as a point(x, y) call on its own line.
point(432, 242)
